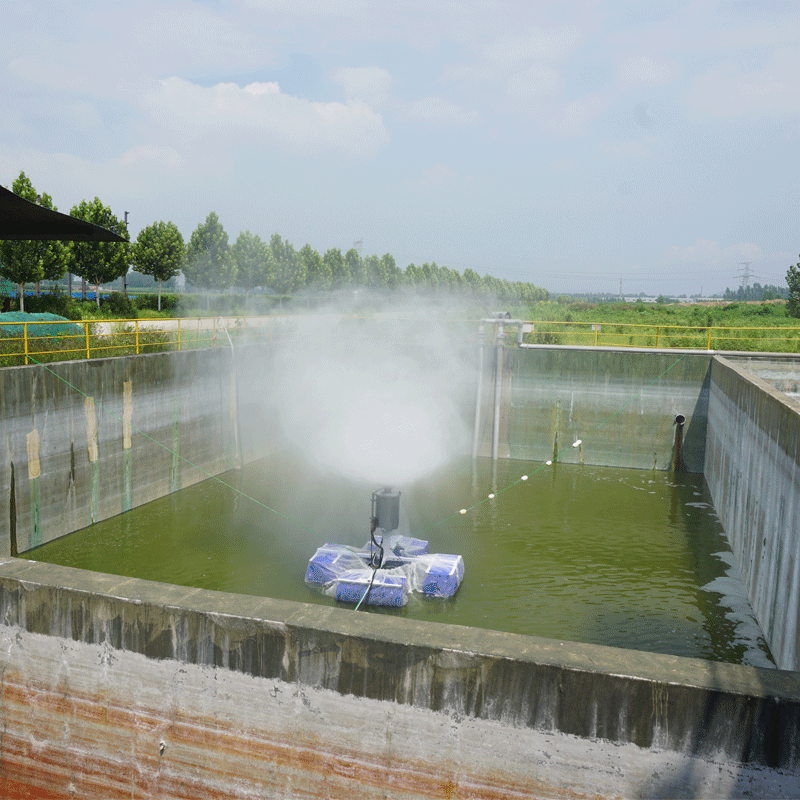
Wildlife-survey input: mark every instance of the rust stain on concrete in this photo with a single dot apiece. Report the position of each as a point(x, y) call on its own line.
point(59, 745)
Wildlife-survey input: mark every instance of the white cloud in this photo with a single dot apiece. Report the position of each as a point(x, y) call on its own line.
point(646, 71)
point(573, 118)
point(537, 44)
point(636, 148)
point(370, 84)
point(437, 177)
point(438, 111)
point(84, 116)
point(564, 165)
point(152, 157)
point(727, 90)
point(260, 113)
point(536, 84)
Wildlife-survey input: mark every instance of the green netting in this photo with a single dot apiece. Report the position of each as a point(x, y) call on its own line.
point(60, 325)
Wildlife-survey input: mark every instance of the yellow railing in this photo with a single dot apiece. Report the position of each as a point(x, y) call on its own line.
point(44, 341)
point(26, 342)
point(624, 334)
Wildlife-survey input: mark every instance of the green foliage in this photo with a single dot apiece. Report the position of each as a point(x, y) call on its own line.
point(318, 274)
point(209, 264)
point(98, 262)
point(793, 281)
point(391, 274)
point(757, 292)
point(169, 302)
point(254, 262)
point(355, 267)
point(52, 303)
point(337, 268)
point(288, 270)
point(159, 251)
point(119, 305)
point(24, 262)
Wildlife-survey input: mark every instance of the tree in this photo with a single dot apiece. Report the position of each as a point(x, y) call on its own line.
point(253, 259)
point(373, 273)
point(337, 266)
point(98, 262)
point(793, 281)
point(431, 278)
point(355, 266)
point(414, 276)
point(159, 251)
point(209, 264)
point(318, 274)
point(23, 261)
point(392, 274)
point(289, 270)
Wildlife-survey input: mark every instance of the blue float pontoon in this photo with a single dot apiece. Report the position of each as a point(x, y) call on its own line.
point(388, 568)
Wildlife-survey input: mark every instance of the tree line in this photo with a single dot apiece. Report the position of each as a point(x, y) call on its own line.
point(251, 263)
point(757, 292)
point(210, 263)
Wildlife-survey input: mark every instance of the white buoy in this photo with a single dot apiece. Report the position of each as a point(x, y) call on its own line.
point(491, 496)
point(577, 443)
point(549, 463)
point(463, 511)
point(524, 478)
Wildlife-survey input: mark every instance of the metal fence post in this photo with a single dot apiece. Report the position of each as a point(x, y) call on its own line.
point(25, 338)
point(179, 333)
point(658, 330)
point(137, 337)
point(708, 347)
point(86, 331)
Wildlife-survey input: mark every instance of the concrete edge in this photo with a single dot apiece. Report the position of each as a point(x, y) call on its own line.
point(767, 388)
point(614, 662)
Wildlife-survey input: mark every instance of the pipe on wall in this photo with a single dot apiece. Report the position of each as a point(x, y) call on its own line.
point(498, 387)
point(478, 393)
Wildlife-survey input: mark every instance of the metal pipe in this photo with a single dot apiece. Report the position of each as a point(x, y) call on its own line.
point(520, 330)
point(478, 393)
point(498, 385)
point(677, 458)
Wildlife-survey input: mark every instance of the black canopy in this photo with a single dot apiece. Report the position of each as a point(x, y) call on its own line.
point(21, 219)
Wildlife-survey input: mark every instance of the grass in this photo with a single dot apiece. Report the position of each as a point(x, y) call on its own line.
point(728, 326)
point(65, 347)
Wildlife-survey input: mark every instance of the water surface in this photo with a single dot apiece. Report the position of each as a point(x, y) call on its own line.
point(621, 557)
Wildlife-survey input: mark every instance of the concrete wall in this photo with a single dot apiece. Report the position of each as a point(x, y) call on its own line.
point(753, 472)
point(81, 441)
point(621, 404)
point(781, 372)
point(115, 687)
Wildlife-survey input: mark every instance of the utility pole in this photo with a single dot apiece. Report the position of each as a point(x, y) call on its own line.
point(620, 288)
point(125, 276)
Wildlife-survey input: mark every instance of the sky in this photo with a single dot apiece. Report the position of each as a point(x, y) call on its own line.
point(580, 146)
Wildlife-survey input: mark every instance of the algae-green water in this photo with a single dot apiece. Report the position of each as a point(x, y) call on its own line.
point(620, 557)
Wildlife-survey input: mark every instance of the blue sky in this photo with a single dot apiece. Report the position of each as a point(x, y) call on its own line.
point(572, 145)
